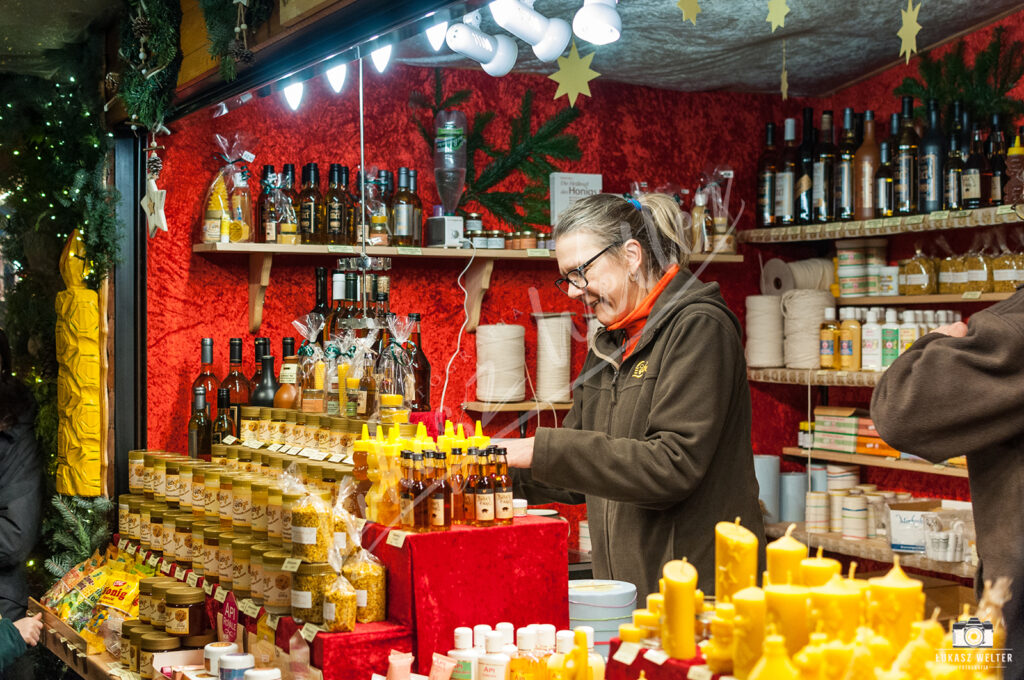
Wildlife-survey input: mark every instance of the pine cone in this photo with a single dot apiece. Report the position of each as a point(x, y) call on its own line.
point(113, 81)
point(141, 26)
point(154, 165)
point(239, 53)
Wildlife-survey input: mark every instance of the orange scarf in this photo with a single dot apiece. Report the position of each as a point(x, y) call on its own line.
point(634, 322)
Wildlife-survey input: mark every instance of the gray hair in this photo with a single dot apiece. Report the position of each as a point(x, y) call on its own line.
point(659, 226)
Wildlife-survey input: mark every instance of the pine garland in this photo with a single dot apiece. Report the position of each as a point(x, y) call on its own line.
point(531, 153)
point(983, 87)
point(147, 83)
point(227, 45)
point(81, 526)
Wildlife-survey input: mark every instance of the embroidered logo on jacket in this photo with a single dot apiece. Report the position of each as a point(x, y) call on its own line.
point(640, 370)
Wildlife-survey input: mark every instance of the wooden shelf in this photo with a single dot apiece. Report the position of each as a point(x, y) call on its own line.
point(950, 299)
point(516, 406)
point(877, 461)
point(941, 220)
point(68, 646)
point(876, 549)
point(797, 376)
point(478, 278)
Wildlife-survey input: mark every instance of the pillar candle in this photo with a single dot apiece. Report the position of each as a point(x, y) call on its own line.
point(835, 609)
point(649, 622)
point(896, 602)
point(748, 630)
point(784, 557)
point(786, 606)
point(862, 586)
point(735, 559)
point(631, 633)
point(678, 613)
point(817, 571)
point(656, 603)
point(718, 650)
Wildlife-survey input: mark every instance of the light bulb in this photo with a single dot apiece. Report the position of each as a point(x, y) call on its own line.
point(496, 53)
point(435, 35)
point(336, 77)
point(381, 56)
point(597, 22)
point(293, 95)
point(548, 37)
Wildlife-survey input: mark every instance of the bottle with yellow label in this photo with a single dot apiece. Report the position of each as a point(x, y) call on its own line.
point(849, 341)
point(828, 344)
point(525, 665)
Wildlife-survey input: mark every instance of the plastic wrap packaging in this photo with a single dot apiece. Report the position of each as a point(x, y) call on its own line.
point(362, 401)
point(340, 597)
point(367, 575)
point(978, 263)
point(952, 274)
point(1005, 270)
point(228, 216)
point(338, 353)
point(312, 528)
point(394, 366)
point(280, 223)
point(312, 362)
point(918, 275)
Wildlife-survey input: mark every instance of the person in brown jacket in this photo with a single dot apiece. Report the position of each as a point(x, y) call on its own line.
point(959, 391)
point(658, 438)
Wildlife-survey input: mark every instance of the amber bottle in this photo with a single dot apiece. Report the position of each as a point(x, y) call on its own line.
point(440, 495)
point(472, 473)
point(289, 391)
point(502, 489)
point(457, 482)
point(483, 492)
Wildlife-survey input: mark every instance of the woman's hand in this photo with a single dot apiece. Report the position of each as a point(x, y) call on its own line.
point(30, 628)
point(520, 452)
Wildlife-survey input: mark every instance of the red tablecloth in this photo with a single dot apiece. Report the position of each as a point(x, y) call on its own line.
point(466, 576)
point(673, 669)
point(351, 656)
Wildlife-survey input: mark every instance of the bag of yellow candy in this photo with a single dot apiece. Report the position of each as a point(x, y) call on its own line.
point(228, 216)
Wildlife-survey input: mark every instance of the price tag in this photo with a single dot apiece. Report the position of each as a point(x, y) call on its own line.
point(248, 157)
point(396, 538)
point(347, 250)
point(873, 224)
point(275, 447)
point(699, 673)
point(291, 450)
point(272, 621)
point(320, 455)
point(249, 608)
point(222, 594)
point(656, 656)
point(122, 544)
point(208, 588)
point(409, 250)
point(193, 579)
point(252, 444)
point(309, 632)
point(165, 567)
point(971, 295)
point(833, 229)
point(913, 219)
point(292, 564)
point(114, 666)
point(336, 458)
point(153, 561)
point(813, 231)
point(1005, 210)
point(229, 440)
point(308, 452)
point(959, 213)
point(538, 252)
point(939, 215)
point(132, 549)
point(893, 222)
point(627, 653)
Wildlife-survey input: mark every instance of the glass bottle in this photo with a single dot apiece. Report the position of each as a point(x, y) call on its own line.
point(366, 404)
point(502, 489)
point(288, 224)
point(337, 315)
point(224, 426)
point(419, 391)
point(865, 165)
point(200, 430)
point(997, 161)
point(885, 195)
point(419, 490)
point(288, 394)
point(845, 171)
point(931, 154)
point(402, 209)
point(237, 384)
point(322, 306)
point(905, 175)
point(259, 349)
point(417, 210)
point(457, 482)
point(405, 493)
point(767, 168)
point(957, 130)
point(266, 231)
point(357, 216)
point(483, 492)
point(472, 475)
point(206, 378)
point(440, 495)
point(805, 212)
point(379, 231)
point(266, 388)
point(311, 206)
point(977, 177)
point(337, 205)
point(785, 177)
point(824, 169)
point(954, 176)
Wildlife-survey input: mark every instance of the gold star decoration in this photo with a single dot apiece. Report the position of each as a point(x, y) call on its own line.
point(690, 9)
point(574, 75)
point(908, 31)
point(784, 81)
point(153, 205)
point(777, 11)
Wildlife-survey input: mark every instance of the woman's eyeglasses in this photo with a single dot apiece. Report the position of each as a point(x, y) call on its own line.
point(577, 277)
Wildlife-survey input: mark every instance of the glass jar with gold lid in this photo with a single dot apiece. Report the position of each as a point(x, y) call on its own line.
point(257, 587)
point(160, 477)
point(290, 418)
point(241, 575)
point(198, 542)
point(299, 430)
point(312, 430)
point(211, 558)
point(156, 528)
point(218, 454)
point(172, 478)
point(231, 458)
point(184, 553)
point(241, 503)
point(198, 503)
point(225, 499)
point(244, 457)
point(137, 472)
point(148, 465)
point(211, 492)
point(260, 498)
point(185, 483)
point(146, 596)
point(169, 548)
point(135, 516)
point(264, 426)
point(275, 511)
point(278, 418)
point(149, 644)
point(225, 566)
point(158, 610)
point(185, 612)
point(277, 592)
point(250, 416)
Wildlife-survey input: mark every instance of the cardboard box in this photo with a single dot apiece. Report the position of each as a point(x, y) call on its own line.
point(850, 443)
point(906, 522)
point(844, 420)
point(566, 187)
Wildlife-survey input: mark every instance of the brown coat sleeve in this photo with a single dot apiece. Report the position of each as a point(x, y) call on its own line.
point(947, 397)
point(692, 400)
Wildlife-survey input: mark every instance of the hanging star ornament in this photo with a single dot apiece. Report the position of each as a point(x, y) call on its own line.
point(153, 205)
point(690, 9)
point(777, 11)
point(574, 75)
point(908, 31)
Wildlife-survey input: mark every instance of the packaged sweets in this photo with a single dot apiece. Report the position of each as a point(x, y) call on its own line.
point(309, 585)
point(312, 528)
point(229, 206)
point(340, 599)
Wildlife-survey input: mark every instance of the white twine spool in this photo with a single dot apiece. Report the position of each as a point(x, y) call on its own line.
point(835, 510)
point(500, 363)
point(593, 325)
point(843, 477)
point(855, 517)
point(554, 354)
point(816, 511)
point(778, 277)
point(764, 331)
point(803, 311)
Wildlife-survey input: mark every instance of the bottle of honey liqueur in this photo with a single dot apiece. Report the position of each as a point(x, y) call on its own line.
point(337, 205)
point(472, 478)
point(440, 495)
point(483, 492)
point(502, 489)
point(311, 206)
point(457, 483)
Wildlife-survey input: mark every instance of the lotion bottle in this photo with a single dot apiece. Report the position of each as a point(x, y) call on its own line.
point(849, 343)
point(890, 339)
point(494, 664)
point(871, 344)
point(465, 654)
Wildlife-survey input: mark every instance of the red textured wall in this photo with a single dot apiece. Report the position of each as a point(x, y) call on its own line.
point(626, 133)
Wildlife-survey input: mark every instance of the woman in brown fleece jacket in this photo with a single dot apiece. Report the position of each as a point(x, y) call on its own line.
point(658, 438)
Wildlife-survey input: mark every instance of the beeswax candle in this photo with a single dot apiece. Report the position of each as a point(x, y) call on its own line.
point(835, 609)
point(735, 559)
point(748, 630)
point(678, 614)
point(784, 557)
point(817, 571)
point(718, 650)
point(897, 601)
point(774, 664)
point(786, 606)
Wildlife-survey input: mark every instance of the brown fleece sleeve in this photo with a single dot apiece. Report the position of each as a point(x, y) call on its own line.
point(947, 396)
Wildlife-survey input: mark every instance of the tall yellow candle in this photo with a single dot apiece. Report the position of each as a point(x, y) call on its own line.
point(786, 606)
point(784, 557)
point(817, 571)
point(896, 602)
point(718, 650)
point(835, 609)
point(748, 630)
point(678, 613)
point(735, 559)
